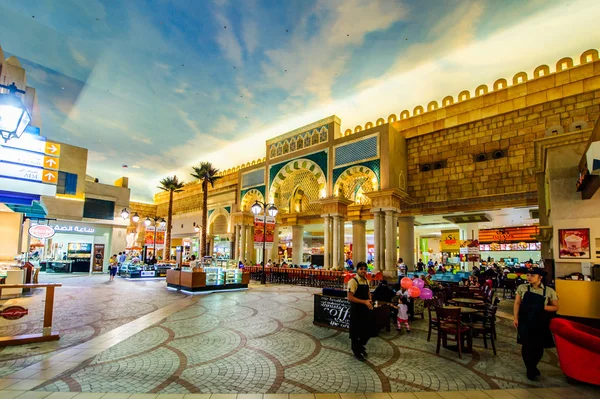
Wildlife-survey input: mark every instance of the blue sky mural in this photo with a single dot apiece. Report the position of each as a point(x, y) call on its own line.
point(161, 85)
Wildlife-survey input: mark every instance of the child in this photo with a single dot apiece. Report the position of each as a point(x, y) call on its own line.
point(403, 314)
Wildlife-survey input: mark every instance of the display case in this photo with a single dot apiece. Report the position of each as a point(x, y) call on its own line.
point(211, 278)
point(214, 275)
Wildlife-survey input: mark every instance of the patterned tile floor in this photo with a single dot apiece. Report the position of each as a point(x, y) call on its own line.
point(263, 341)
point(85, 307)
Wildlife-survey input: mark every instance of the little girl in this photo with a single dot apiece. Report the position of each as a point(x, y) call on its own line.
point(403, 314)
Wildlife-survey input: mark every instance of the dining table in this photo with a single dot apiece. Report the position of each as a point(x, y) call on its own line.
point(465, 314)
point(468, 301)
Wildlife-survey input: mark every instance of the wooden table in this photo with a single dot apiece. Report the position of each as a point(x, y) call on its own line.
point(468, 301)
point(463, 309)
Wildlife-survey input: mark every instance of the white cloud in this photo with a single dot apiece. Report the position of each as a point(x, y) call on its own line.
point(250, 35)
point(310, 66)
point(145, 140)
point(227, 41)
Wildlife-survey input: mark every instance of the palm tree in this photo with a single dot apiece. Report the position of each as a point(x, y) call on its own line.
point(172, 185)
point(206, 173)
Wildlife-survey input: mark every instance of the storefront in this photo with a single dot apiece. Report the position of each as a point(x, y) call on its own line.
point(74, 248)
point(221, 247)
point(510, 246)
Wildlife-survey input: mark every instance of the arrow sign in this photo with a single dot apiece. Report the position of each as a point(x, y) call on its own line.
point(52, 149)
point(50, 177)
point(51, 162)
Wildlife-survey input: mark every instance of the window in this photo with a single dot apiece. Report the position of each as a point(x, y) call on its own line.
point(98, 209)
point(67, 183)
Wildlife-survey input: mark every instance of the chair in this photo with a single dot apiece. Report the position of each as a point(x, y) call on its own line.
point(419, 307)
point(578, 348)
point(449, 324)
point(36, 275)
point(510, 285)
point(431, 304)
point(487, 326)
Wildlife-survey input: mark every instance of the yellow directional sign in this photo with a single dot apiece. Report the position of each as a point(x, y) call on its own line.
point(51, 162)
point(52, 149)
point(50, 176)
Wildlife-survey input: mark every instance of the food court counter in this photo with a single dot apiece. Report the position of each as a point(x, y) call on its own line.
point(578, 298)
point(210, 279)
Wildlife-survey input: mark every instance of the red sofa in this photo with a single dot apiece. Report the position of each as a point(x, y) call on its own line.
point(578, 348)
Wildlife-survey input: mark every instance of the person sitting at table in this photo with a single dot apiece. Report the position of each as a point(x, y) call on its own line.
point(383, 292)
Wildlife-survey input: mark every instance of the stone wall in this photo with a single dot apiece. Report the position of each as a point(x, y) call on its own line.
point(513, 132)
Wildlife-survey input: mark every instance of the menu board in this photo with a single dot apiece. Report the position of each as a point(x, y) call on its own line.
point(522, 246)
point(332, 312)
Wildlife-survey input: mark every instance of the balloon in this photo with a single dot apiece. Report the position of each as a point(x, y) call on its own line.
point(426, 294)
point(418, 283)
point(414, 292)
point(406, 283)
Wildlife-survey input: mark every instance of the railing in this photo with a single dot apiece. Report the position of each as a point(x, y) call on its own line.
point(15, 312)
point(305, 277)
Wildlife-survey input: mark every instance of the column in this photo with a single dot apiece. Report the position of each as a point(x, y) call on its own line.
point(275, 250)
point(377, 264)
point(250, 244)
point(390, 242)
point(406, 240)
point(326, 242)
point(335, 260)
point(236, 243)
point(242, 250)
point(359, 241)
point(469, 231)
point(342, 241)
point(297, 244)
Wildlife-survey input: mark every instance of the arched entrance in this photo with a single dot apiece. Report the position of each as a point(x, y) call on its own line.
point(355, 182)
point(298, 187)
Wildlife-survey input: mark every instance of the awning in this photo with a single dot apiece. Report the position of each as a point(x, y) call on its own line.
point(34, 211)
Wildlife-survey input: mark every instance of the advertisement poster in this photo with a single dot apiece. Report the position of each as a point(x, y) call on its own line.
point(331, 312)
point(259, 231)
point(574, 243)
point(149, 238)
point(470, 248)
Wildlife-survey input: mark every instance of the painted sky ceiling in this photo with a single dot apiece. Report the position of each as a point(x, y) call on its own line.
point(161, 85)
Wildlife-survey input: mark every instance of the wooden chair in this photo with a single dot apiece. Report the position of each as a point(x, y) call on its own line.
point(431, 305)
point(449, 325)
point(487, 326)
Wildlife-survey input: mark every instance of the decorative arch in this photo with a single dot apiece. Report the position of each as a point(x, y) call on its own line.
point(380, 122)
point(481, 90)
point(219, 212)
point(588, 56)
point(542, 70)
point(354, 182)
point(564, 64)
point(432, 106)
point(368, 125)
point(293, 168)
point(392, 118)
point(500, 84)
point(448, 100)
point(250, 197)
point(404, 114)
point(519, 78)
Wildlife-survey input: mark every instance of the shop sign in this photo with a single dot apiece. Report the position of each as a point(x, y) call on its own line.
point(469, 247)
point(13, 312)
point(332, 311)
point(450, 241)
point(74, 229)
point(41, 231)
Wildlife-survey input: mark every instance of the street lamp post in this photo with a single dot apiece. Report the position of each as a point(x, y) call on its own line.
point(257, 209)
point(148, 222)
point(14, 117)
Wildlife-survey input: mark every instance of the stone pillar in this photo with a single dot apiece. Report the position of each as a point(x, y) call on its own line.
point(359, 241)
point(235, 251)
point(378, 263)
point(390, 242)
point(469, 231)
point(336, 242)
point(242, 250)
point(297, 244)
point(275, 250)
point(406, 240)
point(250, 244)
point(342, 236)
point(327, 241)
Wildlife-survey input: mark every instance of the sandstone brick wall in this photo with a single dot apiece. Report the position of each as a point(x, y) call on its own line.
point(514, 131)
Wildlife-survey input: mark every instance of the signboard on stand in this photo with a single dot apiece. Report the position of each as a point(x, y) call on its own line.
point(332, 312)
point(470, 248)
point(260, 230)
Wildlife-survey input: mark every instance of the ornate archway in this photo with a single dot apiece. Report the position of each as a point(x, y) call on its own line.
point(355, 182)
point(217, 216)
point(250, 197)
point(298, 186)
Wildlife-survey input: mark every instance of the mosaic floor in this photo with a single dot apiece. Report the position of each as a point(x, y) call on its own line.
point(263, 341)
point(85, 307)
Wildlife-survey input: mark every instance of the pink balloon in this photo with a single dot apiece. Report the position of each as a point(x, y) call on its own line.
point(426, 294)
point(406, 283)
point(414, 292)
point(418, 283)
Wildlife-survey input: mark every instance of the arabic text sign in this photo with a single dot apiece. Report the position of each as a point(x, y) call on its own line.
point(35, 144)
point(28, 173)
point(74, 229)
